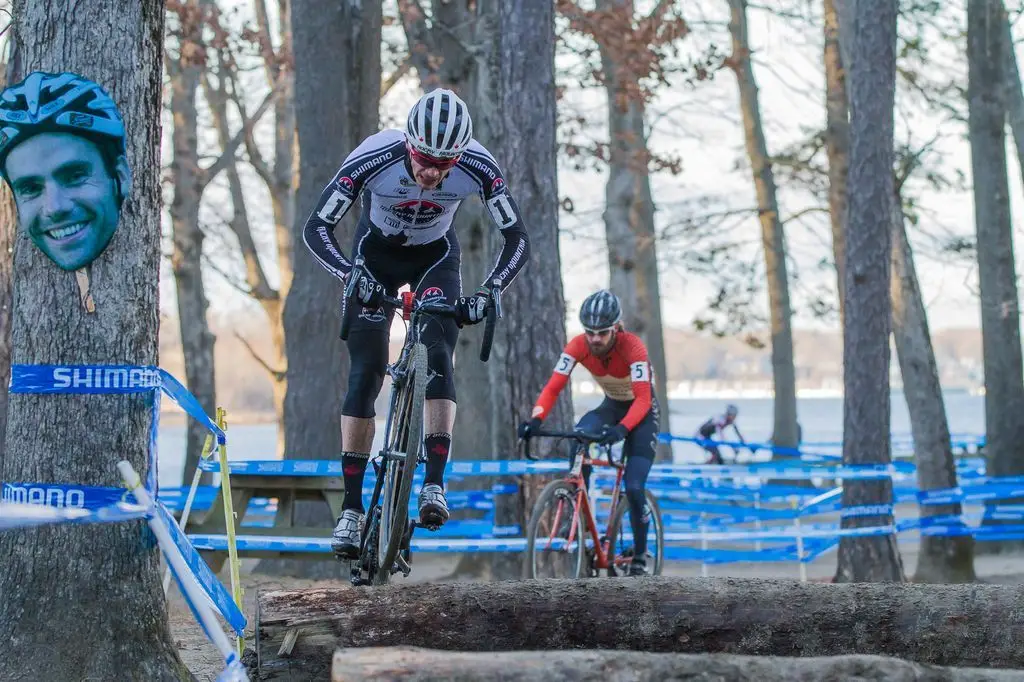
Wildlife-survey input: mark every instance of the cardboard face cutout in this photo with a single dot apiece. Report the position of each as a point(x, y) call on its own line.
point(62, 152)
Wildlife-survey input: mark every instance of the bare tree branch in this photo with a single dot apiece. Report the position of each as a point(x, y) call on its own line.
point(270, 62)
point(275, 374)
point(228, 155)
point(419, 38)
point(256, 160)
point(239, 223)
point(404, 67)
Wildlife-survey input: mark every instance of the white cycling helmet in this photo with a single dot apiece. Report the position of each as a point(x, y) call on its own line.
point(439, 125)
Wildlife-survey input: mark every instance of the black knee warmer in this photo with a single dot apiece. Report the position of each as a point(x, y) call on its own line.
point(368, 351)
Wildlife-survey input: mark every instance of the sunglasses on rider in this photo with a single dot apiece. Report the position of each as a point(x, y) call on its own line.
point(430, 161)
point(598, 332)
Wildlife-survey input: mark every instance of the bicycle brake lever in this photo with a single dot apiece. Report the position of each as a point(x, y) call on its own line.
point(496, 296)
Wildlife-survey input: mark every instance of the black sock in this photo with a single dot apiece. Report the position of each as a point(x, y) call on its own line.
point(437, 446)
point(353, 466)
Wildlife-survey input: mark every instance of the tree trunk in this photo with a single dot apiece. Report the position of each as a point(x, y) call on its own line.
point(8, 232)
point(443, 62)
point(997, 277)
point(629, 206)
point(337, 51)
point(509, 88)
point(773, 238)
point(185, 71)
point(868, 315)
point(942, 559)
point(279, 178)
point(270, 299)
point(974, 625)
point(83, 602)
point(837, 141)
point(1014, 92)
point(412, 664)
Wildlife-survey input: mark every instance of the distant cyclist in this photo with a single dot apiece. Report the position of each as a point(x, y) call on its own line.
point(714, 429)
point(618, 362)
point(410, 183)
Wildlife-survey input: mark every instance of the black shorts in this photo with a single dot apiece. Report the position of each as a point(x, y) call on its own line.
point(432, 270)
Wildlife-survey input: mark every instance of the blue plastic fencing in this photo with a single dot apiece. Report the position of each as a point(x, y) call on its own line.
point(755, 511)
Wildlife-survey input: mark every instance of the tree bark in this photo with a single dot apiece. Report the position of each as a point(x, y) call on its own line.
point(997, 277)
point(8, 233)
point(84, 602)
point(510, 88)
point(868, 316)
point(337, 51)
point(185, 70)
point(942, 559)
point(974, 625)
point(412, 664)
point(1014, 91)
point(773, 238)
point(629, 205)
point(837, 141)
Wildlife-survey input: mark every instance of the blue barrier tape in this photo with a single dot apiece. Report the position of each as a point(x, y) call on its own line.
point(62, 495)
point(16, 515)
point(100, 379)
point(213, 587)
point(770, 470)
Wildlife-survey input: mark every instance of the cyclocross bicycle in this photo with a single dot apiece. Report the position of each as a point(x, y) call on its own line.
point(387, 530)
point(557, 544)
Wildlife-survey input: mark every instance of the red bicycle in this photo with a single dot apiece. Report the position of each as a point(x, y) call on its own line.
point(563, 540)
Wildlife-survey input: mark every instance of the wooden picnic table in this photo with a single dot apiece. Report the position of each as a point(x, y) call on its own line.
point(288, 490)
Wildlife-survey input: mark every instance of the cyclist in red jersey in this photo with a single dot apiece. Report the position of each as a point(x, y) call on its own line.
point(618, 362)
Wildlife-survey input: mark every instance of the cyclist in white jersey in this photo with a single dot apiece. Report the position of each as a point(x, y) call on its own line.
point(410, 184)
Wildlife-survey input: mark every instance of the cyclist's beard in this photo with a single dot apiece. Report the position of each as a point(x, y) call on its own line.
point(600, 349)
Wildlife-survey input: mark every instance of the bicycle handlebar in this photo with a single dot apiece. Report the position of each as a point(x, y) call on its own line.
point(582, 437)
point(410, 305)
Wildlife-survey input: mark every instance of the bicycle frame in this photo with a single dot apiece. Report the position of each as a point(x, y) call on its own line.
point(412, 309)
point(601, 542)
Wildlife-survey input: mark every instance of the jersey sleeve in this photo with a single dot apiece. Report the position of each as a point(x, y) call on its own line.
point(641, 381)
point(559, 377)
point(504, 212)
point(339, 195)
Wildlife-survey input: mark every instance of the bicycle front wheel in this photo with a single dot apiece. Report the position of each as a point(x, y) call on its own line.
point(555, 542)
point(620, 535)
point(403, 435)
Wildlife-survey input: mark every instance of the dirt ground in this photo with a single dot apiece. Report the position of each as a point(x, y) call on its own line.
point(205, 662)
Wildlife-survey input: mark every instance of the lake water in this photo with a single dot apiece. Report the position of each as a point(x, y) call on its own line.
point(821, 419)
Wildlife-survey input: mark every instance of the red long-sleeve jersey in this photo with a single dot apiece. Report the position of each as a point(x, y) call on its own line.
point(624, 373)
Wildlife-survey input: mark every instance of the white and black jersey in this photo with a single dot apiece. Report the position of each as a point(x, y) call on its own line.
point(378, 172)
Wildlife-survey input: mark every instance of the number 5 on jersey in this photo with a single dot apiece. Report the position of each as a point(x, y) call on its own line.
point(640, 371)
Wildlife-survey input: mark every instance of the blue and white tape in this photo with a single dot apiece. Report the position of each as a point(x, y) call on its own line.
point(214, 588)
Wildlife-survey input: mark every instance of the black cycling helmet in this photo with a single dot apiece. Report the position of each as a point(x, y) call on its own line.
point(600, 310)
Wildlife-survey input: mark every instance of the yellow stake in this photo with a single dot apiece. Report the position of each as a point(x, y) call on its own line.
point(229, 521)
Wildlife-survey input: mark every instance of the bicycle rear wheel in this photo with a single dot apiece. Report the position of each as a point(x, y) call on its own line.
point(620, 535)
point(555, 519)
point(403, 434)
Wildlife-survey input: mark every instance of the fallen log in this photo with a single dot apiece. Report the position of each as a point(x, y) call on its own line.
point(412, 664)
point(952, 625)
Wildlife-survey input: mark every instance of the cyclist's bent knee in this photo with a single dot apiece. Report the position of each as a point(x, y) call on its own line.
point(368, 351)
point(439, 336)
